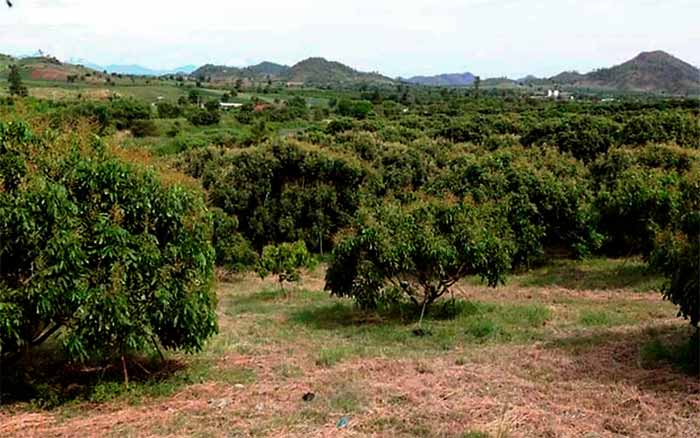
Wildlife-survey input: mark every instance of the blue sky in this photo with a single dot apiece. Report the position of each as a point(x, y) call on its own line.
point(396, 37)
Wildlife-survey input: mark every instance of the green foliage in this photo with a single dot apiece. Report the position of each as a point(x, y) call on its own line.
point(662, 126)
point(167, 110)
point(124, 112)
point(585, 137)
point(233, 251)
point(284, 260)
point(677, 253)
point(358, 109)
point(637, 205)
point(98, 251)
point(281, 192)
point(204, 117)
point(14, 80)
point(544, 195)
point(144, 128)
point(339, 125)
point(639, 193)
point(418, 252)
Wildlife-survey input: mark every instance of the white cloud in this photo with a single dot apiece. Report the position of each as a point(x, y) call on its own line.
point(488, 37)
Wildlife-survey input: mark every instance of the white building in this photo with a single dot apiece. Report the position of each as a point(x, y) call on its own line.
point(228, 105)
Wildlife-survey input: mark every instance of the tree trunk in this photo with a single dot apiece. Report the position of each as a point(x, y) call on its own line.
point(126, 373)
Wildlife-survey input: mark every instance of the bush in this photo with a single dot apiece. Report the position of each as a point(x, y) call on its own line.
point(677, 253)
point(282, 192)
point(284, 260)
point(202, 117)
point(125, 111)
point(585, 137)
point(358, 109)
point(98, 251)
point(544, 194)
point(233, 251)
point(633, 208)
point(167, 110)
point(418, 252)
point(144, 128)
point(339, 125)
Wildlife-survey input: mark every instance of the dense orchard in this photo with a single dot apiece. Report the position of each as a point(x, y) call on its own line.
point(404, 192)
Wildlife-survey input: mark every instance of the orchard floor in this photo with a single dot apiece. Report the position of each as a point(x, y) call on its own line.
point(583, 349)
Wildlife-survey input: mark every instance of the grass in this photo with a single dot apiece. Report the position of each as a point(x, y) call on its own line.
point(603, 318)
point(593, 274)
point(478, 359)
point(682, 352)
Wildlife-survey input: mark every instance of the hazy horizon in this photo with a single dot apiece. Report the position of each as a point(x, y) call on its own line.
point(397, 38)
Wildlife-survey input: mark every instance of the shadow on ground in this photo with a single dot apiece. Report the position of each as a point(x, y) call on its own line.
point(46, 380)
point(662, 358)
point(594, 274)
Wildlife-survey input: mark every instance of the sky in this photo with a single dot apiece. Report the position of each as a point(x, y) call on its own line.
point(490, 38)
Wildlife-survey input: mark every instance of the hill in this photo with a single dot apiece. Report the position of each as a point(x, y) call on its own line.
point(319, 71)
point(654, 72)
point(260, 71)
point(311, 71)
point(444, 80)
point(266, 68)
point(43, 68)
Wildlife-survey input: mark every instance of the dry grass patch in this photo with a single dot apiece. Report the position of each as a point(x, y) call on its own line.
point(516, 361)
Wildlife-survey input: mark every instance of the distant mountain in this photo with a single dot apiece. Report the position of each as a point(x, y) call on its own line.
point(648, 72)
point(217, 72)
point(502, 82)
point(568, 77)
point(133, 69)
point(312, 71)
point(268, 69)
point(444, 80)
point(254, 72)
point(319, 71)
point(138, 70)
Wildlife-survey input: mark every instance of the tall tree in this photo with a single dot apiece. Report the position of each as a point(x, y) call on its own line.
point(16, 88)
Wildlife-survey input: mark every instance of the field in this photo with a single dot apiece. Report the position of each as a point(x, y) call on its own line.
point(576, 349)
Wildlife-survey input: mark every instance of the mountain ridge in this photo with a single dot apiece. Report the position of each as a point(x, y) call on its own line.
point(444, 80)
point(310, 71)
point(654, 71)
point(651, 72)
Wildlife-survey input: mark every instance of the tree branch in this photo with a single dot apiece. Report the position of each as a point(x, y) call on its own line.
point(46, 335)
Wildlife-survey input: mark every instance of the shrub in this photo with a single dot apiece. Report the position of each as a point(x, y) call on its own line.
point(125, 111)
point(144, 128)
point(339, 125)
point(284, 260)
point(283, 192)
point(98, 251)
point(677, 253)
point(358, 109)
point(544, 194)
point(632, 209)
point(202, 117)
point(585, 137)
point(233, 251)
point(167, 110)
point(418, 251)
